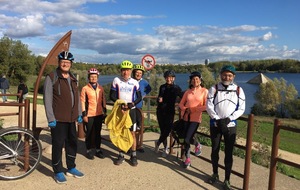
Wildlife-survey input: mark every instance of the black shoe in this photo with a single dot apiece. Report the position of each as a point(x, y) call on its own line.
point(90, 155)
point(226, 185)
point(133, 161)
point(119, 160)
point(141, 150)
point(213, 178)
point(99, 154)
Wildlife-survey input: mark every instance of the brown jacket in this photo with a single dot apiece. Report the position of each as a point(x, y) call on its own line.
point(63, 109)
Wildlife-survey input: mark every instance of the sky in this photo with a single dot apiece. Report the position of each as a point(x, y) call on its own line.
point(172, 31)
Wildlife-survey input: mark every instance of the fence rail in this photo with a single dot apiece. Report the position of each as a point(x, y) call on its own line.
point(274, 154)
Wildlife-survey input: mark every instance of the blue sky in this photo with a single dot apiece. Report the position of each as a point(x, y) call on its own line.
point(190, 31)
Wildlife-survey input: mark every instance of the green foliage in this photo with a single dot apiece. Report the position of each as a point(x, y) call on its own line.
point(293, 108)
point(16, 60)
point(282, 95)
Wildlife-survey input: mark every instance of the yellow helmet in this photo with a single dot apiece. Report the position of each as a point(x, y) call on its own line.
point(139, 67)
point(126, 65)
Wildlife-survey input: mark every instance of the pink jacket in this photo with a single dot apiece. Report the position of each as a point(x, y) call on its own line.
point(195, 100)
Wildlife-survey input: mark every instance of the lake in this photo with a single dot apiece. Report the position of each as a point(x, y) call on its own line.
point(240, 79)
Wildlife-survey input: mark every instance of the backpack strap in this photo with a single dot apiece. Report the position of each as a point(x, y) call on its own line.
point(237, 91)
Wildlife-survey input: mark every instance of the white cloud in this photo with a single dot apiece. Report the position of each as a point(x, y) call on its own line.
point(101, 38)
point(267, 36)
point(29, 26)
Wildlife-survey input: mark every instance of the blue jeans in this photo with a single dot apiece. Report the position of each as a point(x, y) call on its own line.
point(4, 98)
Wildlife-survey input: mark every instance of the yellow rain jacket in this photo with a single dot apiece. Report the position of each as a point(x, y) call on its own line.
point(119, 127)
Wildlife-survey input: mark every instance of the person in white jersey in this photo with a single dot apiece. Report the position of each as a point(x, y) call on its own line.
point(225, 104)
point(126, 88)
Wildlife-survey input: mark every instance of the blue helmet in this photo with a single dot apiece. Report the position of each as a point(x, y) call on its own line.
point(65, 55)
point(229, 68)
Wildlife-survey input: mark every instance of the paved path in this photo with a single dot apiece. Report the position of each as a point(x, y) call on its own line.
point(152, 172)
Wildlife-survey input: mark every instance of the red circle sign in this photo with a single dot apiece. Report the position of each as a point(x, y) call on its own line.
point(148, 62)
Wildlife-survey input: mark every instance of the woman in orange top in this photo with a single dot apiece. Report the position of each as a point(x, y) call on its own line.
point(93, 112)
point(192, 104)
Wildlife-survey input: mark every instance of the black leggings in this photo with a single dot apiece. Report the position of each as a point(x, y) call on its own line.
point(229, 134)
point(93, 131)
point(165, 122)
point(190, 130)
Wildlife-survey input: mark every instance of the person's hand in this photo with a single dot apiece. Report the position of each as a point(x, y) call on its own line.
point(223, 122)
point(79, 119)
point(85, 119)
point(130, 105)
point(52, 124)
point(160, 99)
point(124, 107)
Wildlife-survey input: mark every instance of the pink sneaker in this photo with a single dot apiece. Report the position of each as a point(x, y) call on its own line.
point(187, 162)
point(198, 149)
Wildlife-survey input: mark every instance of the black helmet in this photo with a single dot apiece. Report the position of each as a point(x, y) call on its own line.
point(195, 74)
point(65, 55)
point(169, 73)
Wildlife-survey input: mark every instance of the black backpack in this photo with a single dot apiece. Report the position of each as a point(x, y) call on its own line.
point(179, 131)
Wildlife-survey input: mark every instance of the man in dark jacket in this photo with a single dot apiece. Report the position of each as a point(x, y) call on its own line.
point(63, 108)
point(4, 85)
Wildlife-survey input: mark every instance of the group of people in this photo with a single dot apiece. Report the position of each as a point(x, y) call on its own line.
point(4, 87)
point(224, 102)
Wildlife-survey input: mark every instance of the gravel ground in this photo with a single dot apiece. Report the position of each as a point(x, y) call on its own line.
point(152, 172)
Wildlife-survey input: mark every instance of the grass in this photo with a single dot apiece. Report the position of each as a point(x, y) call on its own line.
point(263, 134)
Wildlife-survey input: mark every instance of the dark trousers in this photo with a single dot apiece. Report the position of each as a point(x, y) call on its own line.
point(64, 134)
point(93, 132)
point(139, 117)
point(229, 134)
point(190, 130)
point(165, 122)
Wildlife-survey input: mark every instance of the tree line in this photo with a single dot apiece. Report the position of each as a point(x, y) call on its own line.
point(17, 62)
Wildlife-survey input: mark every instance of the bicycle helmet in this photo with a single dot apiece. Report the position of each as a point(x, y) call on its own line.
point(229, 68)
point(195, 74)
point(65, 55)
point(126, 65)
point(139, 67)
point(169, 73)
point(93, 71)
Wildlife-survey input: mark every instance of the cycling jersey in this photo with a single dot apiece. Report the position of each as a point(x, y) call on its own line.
point(125, 90)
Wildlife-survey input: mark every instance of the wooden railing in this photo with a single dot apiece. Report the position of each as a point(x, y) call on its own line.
point(274, 154)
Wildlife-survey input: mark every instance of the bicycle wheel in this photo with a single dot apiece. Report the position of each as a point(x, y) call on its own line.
point(20, 153)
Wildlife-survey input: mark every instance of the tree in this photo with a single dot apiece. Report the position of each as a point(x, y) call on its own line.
point(15, 59)
point(287, 93)
point(274, 98)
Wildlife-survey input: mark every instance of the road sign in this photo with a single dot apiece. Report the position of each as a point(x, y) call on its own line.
point(148, 62)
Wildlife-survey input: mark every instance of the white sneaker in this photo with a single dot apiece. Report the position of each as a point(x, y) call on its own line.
point(165, 152)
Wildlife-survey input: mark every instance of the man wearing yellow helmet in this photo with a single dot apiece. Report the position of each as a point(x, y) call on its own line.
point(128, 90)
point(145, 88)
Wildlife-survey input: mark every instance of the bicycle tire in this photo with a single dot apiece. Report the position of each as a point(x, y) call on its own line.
point(26, 155)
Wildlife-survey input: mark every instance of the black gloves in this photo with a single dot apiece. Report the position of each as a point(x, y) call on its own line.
point(223, 122)
point(127, 106)
point(130, 105)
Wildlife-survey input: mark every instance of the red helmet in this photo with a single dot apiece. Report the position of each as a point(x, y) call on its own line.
point(93, 71)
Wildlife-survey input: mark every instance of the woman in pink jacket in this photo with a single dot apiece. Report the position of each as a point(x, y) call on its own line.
point(192, 104)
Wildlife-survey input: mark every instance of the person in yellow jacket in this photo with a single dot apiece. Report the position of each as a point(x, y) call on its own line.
point(127, 89)
point(93, 111)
